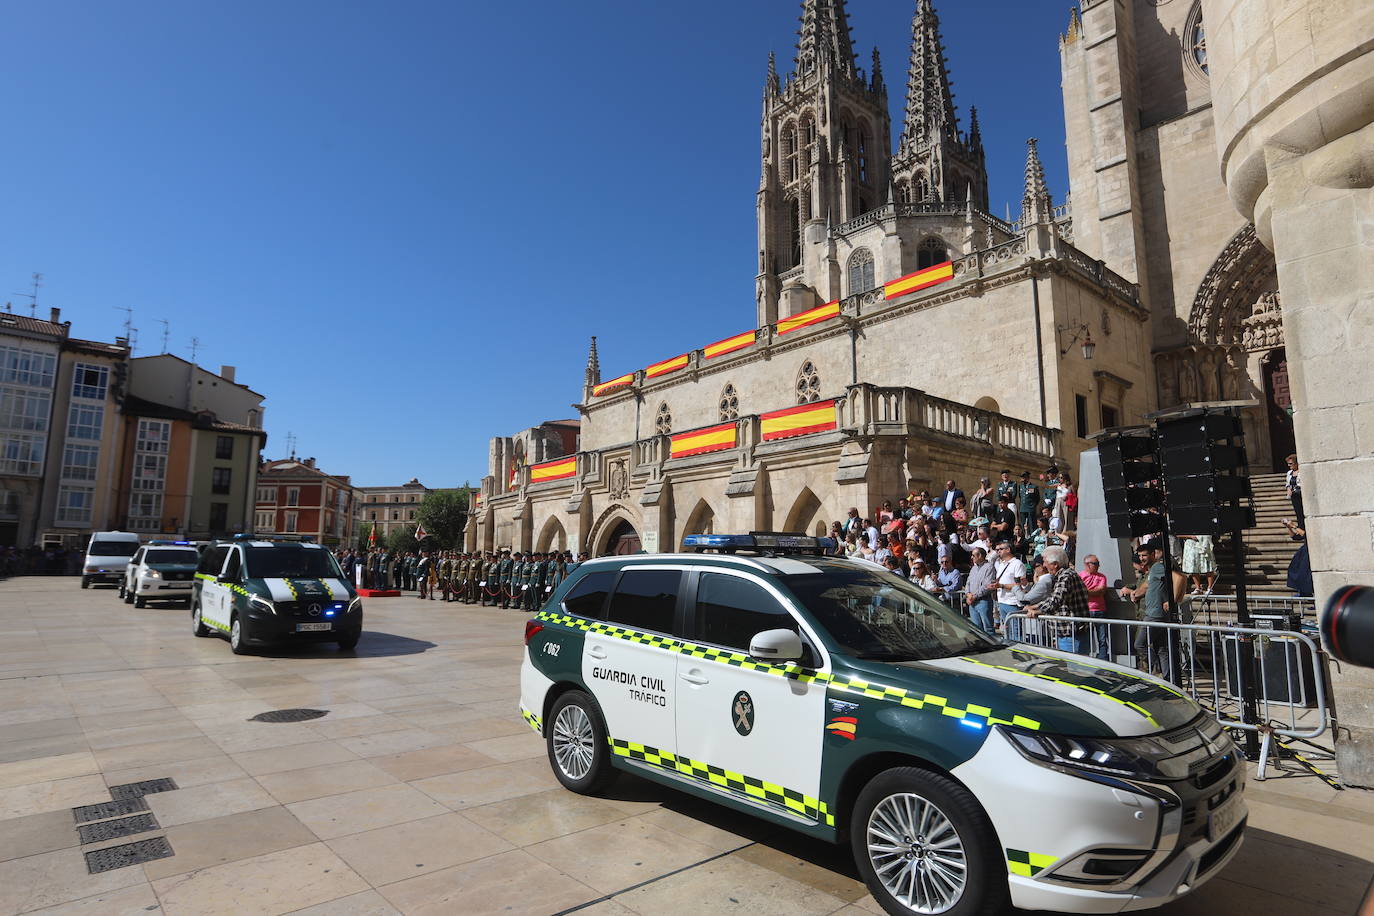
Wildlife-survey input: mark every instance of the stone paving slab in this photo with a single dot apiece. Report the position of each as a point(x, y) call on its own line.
point(423, 791)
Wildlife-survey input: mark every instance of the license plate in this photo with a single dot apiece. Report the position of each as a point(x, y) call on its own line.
point(312, 627)
point(1220, 821)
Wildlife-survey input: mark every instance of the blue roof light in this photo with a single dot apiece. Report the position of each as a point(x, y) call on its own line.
point(764, 541)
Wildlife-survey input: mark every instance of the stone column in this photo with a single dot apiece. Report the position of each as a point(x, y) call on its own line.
point(1293, 95)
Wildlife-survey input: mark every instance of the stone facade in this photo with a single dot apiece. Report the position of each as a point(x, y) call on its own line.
point(1008, 390)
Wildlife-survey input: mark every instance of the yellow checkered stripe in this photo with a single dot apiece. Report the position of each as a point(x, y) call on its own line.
point(236, 589)
point(1136, 707)
point(970, 712)
point(215, 625)
point(532, 720)
point(1028, 864)
point(748, 786)
point(291, 587)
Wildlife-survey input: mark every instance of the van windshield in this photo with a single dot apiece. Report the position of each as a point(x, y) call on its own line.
point(877, 615)
point(291, 561)
point(184, 557)
point(112, 548)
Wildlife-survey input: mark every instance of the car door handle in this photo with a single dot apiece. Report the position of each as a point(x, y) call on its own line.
point(692, 677)
point(596, 652)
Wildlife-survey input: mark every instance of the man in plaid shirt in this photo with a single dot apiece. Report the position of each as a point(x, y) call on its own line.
point(1068, 598)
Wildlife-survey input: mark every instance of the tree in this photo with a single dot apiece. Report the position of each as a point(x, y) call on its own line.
point(444, 513)
point(400, 540)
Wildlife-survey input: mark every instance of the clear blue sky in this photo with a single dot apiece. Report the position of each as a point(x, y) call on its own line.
point(401, 221)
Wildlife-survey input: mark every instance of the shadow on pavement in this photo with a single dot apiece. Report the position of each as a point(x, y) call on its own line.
point(372, 645)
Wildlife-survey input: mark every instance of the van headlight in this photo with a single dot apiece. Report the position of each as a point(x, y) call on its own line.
point(1133, 758)
point(262, 604)
point(355, 605)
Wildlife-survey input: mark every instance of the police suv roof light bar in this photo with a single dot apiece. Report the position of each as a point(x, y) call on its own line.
point(291, 538)
point(772, 543)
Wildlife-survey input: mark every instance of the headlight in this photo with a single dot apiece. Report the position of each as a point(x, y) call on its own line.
point(262, 604)
point(152, 574)
point(1135, 758)
point(355, 605)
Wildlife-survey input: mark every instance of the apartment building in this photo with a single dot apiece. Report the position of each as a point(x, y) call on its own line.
point(390, 508)
point(296, 497)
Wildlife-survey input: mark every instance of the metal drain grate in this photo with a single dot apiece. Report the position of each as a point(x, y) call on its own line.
point(113, 830)
point(140, 789)
point(289, 715)
point(87, 813)
point(129, 854)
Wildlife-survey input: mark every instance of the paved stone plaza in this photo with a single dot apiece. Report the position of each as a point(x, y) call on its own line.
point(423, 791)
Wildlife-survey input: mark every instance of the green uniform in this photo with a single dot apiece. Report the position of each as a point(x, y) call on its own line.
point(506, 575)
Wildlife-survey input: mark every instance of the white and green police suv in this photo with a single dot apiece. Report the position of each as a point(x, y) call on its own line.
point(160, 571)
point(272, 592)
point(833, 697)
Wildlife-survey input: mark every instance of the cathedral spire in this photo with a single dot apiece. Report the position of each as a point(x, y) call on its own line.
point(823, 42)
point(593, 366)
point(929, 102)
point(1036, 205)
point(975, 133)
point(877, 80)
point(772, 86)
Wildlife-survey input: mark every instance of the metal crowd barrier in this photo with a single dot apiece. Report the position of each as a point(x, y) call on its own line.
point(1206, 661)
point(1222, 608)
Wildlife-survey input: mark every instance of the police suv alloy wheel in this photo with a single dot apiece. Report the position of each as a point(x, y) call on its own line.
point(237, 641)
point(197, 628)
point(924, 845)
point(577, 743)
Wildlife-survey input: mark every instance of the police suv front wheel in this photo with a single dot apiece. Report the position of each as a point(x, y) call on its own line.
point(577, 744)
point(197, 627)
point(238, 640)
point(924, 845)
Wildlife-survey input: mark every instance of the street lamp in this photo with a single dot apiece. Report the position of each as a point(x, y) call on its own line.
point(1082, 335)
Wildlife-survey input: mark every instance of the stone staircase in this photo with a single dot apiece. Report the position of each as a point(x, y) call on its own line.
point(1268, 548)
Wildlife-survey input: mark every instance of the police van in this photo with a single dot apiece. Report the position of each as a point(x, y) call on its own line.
point(160, 571)
point(261, 592)
point(836, 698)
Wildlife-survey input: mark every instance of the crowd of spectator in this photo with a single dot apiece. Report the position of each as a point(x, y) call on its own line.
point(40, 561)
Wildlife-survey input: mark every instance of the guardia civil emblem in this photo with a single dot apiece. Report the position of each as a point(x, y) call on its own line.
point(742, 712)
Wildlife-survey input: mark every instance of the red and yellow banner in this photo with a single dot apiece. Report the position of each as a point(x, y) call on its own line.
point(561, 469)
point(798, 421)
point(930, 276)
point(730, 344)
point(701, 441)
point(809, 317)
point(612, 385)
point(668, 365)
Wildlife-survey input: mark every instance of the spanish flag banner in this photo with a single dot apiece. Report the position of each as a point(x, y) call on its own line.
point(612, 385)
point(668, 365)
point(799, 421)
point(561, 469)
point(730, 344)
point(809, 317)
point(930, 276)
point(701, 441)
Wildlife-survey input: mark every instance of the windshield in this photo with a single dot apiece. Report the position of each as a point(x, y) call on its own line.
point(112, 548)
point(873, 614)
point(184, 557)
point(291, 562)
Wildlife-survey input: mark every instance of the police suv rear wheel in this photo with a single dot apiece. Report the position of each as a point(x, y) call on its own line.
point(577, 743)
point(85, 582)
point(197, 628)
point(924, 845)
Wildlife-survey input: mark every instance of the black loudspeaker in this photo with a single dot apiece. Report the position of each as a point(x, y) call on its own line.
point(1129, 490)
point(1202, 460)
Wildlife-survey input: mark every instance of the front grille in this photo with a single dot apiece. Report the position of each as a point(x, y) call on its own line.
point(1218, 852)
point(1195, 815)
point(177, 576)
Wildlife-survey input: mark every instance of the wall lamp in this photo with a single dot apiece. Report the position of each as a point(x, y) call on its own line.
point(1081, 335)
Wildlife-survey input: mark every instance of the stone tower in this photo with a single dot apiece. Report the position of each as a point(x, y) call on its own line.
point(826, 142)
point(934, 161)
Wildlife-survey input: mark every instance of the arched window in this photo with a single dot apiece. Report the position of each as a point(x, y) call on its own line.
point(807, 139)
point(808, 384)
point(789, 152)
point(864, 142)
point(860, 271)
point(903, 192)
point(729, 403)
point(932, 251)
point(793, 233)
point(1195, 40)
point(921, 189)
point(663, 421)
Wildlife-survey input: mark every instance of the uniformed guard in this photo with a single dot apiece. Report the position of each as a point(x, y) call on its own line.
point(526, 581)
point(464, 571)
point(444, 572)
point(487, 581)
point(506, 576)
point(533, 598)
point(479, 566)
point(557, 572)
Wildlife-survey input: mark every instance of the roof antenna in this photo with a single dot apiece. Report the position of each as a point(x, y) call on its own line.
point(33, 296)
point(195, 346)
point(291, 443)
point(165, 329)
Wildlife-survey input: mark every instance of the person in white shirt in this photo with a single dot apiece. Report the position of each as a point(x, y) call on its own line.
point(871, 532)
point(1011, 583)
point(922, 576)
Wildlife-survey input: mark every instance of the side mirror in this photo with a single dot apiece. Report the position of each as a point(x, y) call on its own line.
point(776, 646)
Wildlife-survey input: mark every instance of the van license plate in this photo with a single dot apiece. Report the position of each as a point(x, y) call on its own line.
point(1220, 821)
point(312, 627)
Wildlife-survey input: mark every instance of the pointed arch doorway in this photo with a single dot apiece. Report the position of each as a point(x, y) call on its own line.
point(622, 540)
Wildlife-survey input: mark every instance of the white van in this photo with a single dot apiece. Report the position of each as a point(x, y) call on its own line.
point(107, 556)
